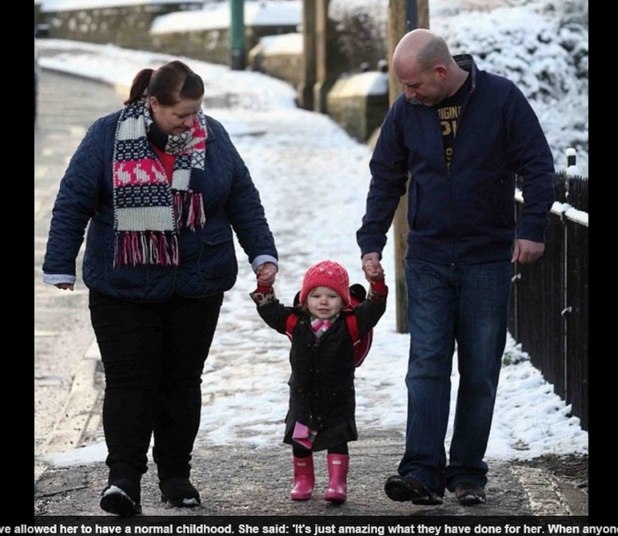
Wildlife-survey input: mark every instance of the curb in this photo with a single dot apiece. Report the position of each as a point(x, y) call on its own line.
point(543, 492)
point(75, 416)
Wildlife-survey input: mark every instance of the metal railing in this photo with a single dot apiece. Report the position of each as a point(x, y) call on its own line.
point(549, 302)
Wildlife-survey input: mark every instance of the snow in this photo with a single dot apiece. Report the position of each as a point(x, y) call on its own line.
point(70, 5)
point(217, 16)
point(118, 66)
point(535, 38)
point(313, 179)
point(522, 44)
point(541, 45)
point(291, 43)
point(573, 214)
point(561, 209)
point(376, 10)
point(370, 83)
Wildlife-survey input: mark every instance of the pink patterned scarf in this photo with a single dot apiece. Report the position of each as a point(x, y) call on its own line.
point(148, 211)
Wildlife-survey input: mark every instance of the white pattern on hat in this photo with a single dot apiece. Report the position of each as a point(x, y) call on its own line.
point(327, 274)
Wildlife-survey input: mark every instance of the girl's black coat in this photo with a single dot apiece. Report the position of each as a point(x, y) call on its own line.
point(322, 380)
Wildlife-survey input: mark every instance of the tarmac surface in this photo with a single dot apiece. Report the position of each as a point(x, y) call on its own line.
point(233, 480)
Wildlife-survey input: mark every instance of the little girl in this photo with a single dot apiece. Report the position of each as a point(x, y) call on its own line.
point(322, 401)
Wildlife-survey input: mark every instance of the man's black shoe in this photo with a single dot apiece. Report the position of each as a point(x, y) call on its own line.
point(407, 488)
point(470, 494)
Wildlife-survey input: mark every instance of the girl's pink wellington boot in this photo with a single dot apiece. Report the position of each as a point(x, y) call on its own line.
point(304, 479)
point(336, 492)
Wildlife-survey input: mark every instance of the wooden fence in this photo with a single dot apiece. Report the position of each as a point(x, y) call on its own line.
point(549, 302)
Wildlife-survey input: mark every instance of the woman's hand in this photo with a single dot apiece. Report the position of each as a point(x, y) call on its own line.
point(64, 286)
point(266, 273)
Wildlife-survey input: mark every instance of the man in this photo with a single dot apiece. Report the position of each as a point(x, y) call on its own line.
point(462, 135)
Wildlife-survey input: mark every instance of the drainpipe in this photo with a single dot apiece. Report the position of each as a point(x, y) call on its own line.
point(238, 52)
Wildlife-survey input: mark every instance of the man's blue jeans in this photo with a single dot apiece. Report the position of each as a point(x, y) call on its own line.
point(453, 304)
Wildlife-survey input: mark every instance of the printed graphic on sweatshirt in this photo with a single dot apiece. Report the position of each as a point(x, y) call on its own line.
point(449, 116)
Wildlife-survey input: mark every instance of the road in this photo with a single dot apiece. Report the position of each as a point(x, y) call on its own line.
point(66, 107)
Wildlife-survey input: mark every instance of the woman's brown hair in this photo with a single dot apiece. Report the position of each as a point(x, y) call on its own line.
point(169, 84)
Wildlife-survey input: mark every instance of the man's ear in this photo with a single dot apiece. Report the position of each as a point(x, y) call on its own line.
point(441, 71)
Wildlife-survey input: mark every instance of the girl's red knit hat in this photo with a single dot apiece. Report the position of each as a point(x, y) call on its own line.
point(327, 274)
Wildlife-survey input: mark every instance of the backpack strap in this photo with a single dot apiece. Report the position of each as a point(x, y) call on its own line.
point(350, 320)
point(352, 325)
point(361, 345)
point(290, 324)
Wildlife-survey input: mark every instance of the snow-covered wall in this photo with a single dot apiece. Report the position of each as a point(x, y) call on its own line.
point(124, 23)
point(359, 103)
point(71, 5)
point(217, 16)
point(280, 56)
point(203, 34)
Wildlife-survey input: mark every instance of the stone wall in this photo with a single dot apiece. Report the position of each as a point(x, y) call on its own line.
point(205, 45)
point(281, 57)
point(359, 103)
point(210, 45)
point(124, 26)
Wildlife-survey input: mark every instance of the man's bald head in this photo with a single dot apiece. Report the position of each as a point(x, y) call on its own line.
point(422, 47)
point(425, 68)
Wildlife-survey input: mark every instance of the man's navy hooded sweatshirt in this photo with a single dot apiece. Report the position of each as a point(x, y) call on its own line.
point(464, 214)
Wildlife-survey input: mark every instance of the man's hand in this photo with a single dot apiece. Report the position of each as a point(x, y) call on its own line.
point(372, 267)
point(527, 251)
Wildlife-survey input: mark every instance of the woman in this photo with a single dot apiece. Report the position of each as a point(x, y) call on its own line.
point(161, 186)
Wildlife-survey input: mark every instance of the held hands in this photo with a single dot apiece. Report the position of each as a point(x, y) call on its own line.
point(372, 268)
point(527, 251)
point(266, 274)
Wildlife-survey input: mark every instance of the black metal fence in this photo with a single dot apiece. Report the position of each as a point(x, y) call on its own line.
point(549, 303)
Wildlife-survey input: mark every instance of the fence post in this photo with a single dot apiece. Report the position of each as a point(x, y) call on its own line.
point(572, 169)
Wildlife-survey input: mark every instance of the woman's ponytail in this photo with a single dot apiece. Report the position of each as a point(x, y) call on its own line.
point(139, 86)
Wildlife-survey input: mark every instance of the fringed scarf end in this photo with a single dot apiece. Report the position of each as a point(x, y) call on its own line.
point(134, 248)
point(189, 210)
